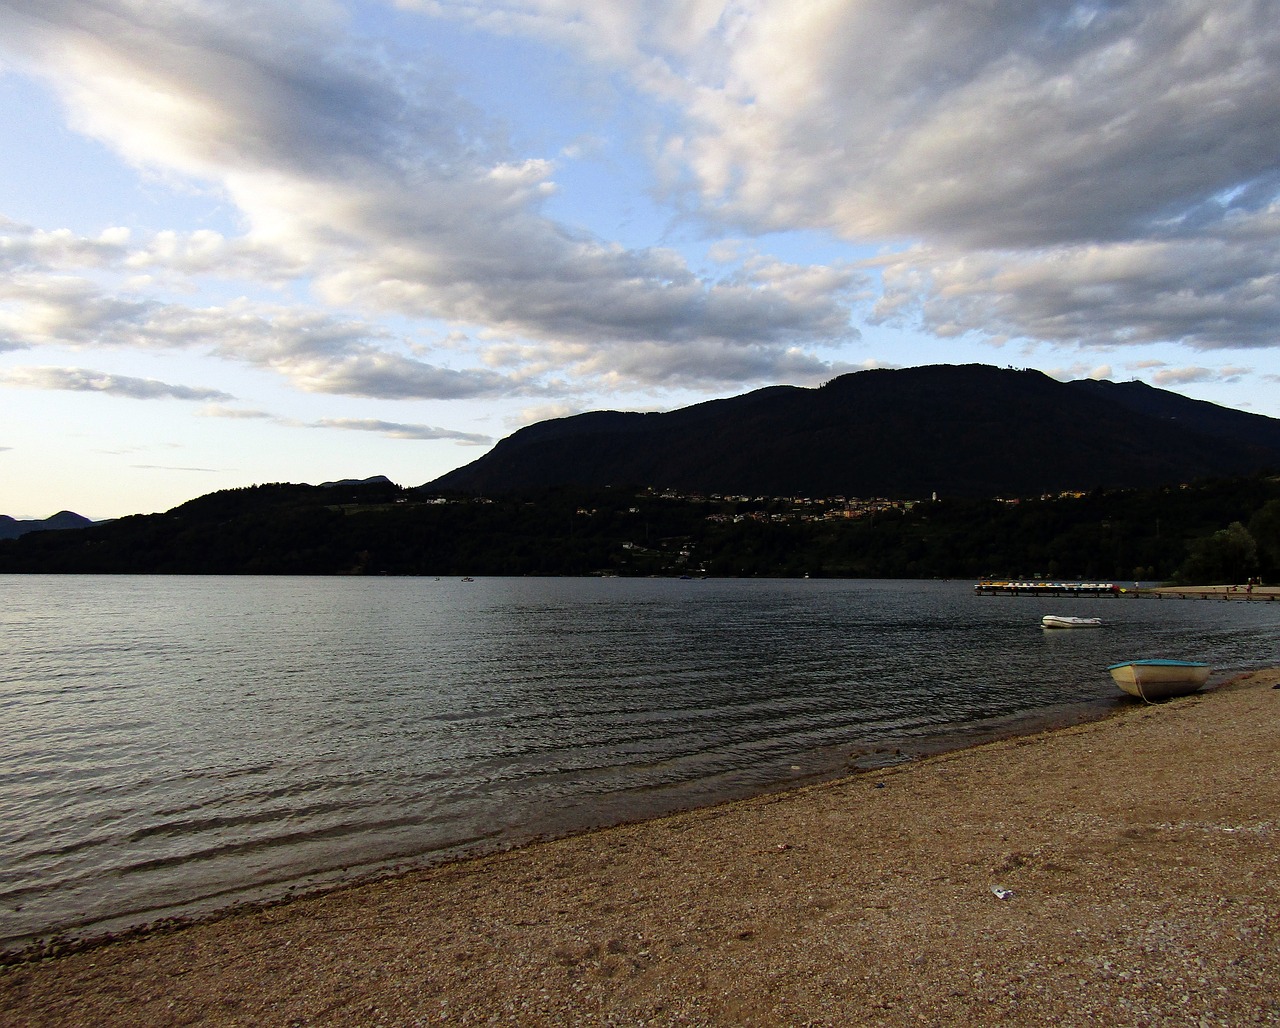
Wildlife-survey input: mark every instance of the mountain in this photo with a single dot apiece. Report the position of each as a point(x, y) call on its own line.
point(375, 480)
point(965, 431)
point(11, 528)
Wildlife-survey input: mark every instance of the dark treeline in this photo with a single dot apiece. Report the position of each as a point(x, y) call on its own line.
point(1223, 530)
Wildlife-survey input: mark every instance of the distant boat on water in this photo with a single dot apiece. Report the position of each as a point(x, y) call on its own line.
point(1060, 621)
point(1160, 679)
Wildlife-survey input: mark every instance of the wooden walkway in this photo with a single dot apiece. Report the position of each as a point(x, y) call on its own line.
point(1216, 592)
point(1133, 592)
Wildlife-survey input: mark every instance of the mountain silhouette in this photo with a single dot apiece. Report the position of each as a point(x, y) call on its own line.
point(11, 528)
point(959, 430)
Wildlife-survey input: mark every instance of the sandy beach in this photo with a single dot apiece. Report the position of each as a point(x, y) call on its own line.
point(1120, 872)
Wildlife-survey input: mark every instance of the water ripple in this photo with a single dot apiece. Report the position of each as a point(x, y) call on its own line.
point(179, 741)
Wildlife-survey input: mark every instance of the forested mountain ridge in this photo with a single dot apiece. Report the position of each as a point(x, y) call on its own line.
point(1112, 481)
point(970, 431)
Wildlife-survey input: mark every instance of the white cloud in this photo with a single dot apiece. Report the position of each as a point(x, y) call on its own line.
point(1087, 174)
point(1182, 376)
point(22, 246)
point(1079, 174)
point(997, 125)
point(215, 410)
point(170, 467)
point(315, 351)
point(86, 381)
point(711, 336)
point(1173, 377)
point(544, 412)
point(387, 191)
point(389, 429)
point(395, 430)
point(1099, 372)
point(1215, 290)
point(1158, 372)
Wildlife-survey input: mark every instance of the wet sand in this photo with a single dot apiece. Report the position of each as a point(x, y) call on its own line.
point(1138, 855)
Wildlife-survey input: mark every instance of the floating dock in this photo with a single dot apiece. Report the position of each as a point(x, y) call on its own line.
point(1038, 588)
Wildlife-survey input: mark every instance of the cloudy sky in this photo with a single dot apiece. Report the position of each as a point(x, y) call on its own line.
point(255, 240)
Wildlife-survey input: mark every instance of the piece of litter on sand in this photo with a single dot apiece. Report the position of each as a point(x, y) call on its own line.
point(1001, 893)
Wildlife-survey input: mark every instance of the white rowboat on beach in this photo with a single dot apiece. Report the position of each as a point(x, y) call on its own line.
point(1159, 679)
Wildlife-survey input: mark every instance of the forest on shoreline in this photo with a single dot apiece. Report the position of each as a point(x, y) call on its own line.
point(1219, 530)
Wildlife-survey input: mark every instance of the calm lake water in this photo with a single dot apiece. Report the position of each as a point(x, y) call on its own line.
point(173, 744)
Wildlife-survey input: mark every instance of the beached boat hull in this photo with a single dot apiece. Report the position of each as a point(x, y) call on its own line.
point(1058, 621)
point(1159, 679)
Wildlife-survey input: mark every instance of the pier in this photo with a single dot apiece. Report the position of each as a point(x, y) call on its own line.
point(1037, 588)
point(989, 587)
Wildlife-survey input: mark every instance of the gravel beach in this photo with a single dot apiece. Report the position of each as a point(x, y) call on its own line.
point(1119, 872)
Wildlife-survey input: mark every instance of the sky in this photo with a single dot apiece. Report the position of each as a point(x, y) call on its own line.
point(248, 241)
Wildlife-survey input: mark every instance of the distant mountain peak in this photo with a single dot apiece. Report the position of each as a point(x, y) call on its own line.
point(11, 528)
point(375, 480)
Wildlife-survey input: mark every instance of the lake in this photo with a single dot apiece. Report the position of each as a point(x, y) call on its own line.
point(172, 745)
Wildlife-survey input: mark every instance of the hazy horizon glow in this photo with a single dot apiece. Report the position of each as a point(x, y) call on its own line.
point(245, 241)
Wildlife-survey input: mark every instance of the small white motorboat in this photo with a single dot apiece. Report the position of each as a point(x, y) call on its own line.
point(1058, 621)
point(1160, 679)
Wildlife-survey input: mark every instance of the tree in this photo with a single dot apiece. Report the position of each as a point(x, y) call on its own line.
point(1264, 526)
point(1229, 555)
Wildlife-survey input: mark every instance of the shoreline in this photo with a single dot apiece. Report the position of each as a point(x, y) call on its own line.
point(1139, 851)
point(821, 766)
point(1218, 592)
